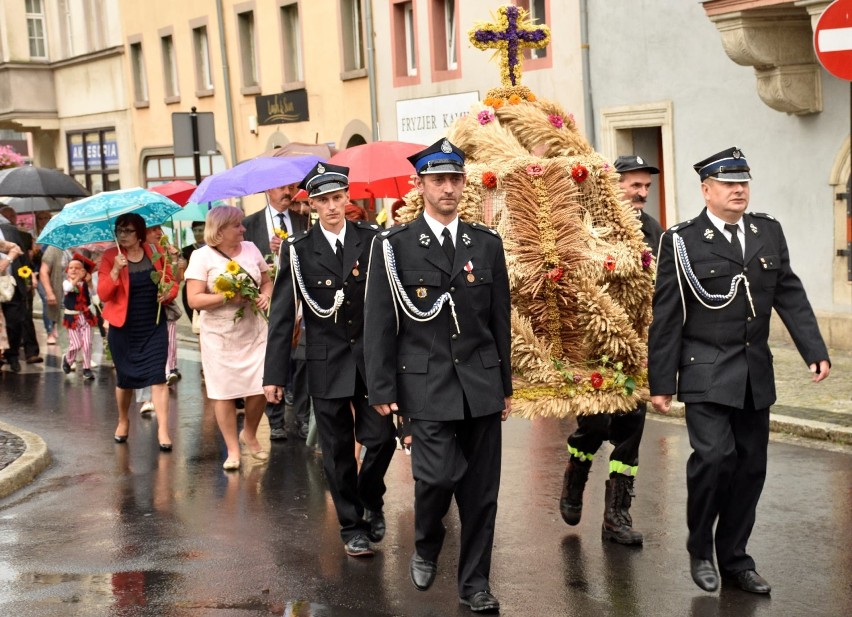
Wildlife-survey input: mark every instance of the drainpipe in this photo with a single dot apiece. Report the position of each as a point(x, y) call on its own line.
point(226, 75)
point(587, 85)
point(371, 70)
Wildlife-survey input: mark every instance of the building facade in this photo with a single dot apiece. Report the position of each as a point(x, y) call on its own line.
point(734, 72)
point(62, 89)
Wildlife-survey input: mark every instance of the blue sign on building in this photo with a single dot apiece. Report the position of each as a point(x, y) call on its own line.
point(91, 152)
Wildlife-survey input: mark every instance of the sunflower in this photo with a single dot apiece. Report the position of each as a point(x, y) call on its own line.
point(232, 267)
point(223, 286)
point(25, 272)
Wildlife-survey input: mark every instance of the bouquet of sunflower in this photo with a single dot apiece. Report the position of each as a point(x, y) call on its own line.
point(161, 279)
point(235, 281)
point(26, 273)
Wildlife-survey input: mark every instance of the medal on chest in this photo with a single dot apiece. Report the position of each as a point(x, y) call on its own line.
point(468, 267)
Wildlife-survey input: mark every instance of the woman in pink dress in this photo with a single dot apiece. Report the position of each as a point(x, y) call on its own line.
point(232, 346)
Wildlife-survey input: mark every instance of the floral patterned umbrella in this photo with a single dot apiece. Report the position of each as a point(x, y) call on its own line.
point(93, 219)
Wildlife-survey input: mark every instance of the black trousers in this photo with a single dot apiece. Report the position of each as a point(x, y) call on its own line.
point(724, 479)
point(462, 459)
point(301, 400)
point(353, 490)
point(28, 333)
point(623, 430)
point(14, 312)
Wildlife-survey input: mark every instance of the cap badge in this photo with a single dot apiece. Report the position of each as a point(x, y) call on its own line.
point(753, 228)
point(639, 160)
point(736, 154)
point(708, 233)
point(320, 168)
point(425, 240)
point(466, 239)
point(421, 292)
point(446, 148)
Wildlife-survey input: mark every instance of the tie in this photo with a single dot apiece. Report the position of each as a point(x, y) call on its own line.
point(735, 241)
point(281, 224)
point(339, 252)
point(447, 245)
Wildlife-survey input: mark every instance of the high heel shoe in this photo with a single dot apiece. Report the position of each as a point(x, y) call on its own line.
point(120, 438)
point(260, 455)
point(165, 447)
point(231, 465)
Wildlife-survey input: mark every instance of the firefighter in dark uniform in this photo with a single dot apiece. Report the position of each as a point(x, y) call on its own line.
point(719, 276)
point(438, 337)
point(623, 430)
point(326, 269)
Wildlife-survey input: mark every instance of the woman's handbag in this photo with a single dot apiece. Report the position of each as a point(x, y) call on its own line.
point(173, 312)
point(7, 287)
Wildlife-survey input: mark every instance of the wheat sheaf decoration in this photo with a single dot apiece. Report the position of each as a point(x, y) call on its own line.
point(580, 274)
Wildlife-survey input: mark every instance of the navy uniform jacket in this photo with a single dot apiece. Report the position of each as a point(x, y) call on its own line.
point(427, 367)
point(334, 348)
point(257, 230)
point(651, 231)
point(710, 356)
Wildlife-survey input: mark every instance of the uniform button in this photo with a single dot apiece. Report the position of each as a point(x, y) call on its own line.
point(403, 367)
point(745, 269)
point(348, 302)
point(452, 289)
point(748, 318)
point(748, 344)
point(712, 272)
point(456, 360)
point(421, 280)
point(692, 359)
point(349, 322)
point(352, 341)
point(454, 336)
point(345, 283)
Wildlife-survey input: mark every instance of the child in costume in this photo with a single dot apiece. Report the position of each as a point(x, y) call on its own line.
point(78, 317)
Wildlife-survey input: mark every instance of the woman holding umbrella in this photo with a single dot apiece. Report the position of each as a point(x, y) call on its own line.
point(137, 334)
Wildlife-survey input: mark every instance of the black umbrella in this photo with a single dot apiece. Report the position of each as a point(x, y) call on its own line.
point(29, 181)
point(23, 205)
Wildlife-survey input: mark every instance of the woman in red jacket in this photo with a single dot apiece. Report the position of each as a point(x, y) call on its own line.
point(138, 341)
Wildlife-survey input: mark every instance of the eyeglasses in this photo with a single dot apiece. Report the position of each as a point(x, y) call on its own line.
point(124, 231)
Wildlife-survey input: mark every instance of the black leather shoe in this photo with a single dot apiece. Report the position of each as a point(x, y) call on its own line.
point(481, 602)
point(66, 368)
point(358, 546)
point(14, 365)
point(704, 573)
point(376, 518)
point(422, 572)
point(748, 580)
point(303, 430)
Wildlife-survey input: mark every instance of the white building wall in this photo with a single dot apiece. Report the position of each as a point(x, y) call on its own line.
point(648, 51)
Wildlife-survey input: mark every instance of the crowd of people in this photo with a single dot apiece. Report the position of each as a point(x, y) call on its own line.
point(285, 315)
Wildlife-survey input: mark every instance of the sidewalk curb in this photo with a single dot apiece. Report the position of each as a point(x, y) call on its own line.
point(810, 429)
point(30, 464)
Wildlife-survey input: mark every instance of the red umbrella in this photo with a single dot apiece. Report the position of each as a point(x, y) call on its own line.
point(177, 190)
point(378, 169)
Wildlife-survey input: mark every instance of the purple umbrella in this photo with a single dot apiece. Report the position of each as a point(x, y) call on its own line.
point(254, 176)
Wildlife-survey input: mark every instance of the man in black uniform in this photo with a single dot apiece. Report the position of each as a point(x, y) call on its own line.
point(437, 332)
point(623, 430)
point(326, 269)
point(265, 229)
point(719, 277)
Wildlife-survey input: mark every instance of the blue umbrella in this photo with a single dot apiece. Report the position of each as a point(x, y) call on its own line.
point(92, 219)
point(254, 176)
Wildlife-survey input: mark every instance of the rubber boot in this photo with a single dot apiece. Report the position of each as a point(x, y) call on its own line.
point(617, 524)
point(571, 502)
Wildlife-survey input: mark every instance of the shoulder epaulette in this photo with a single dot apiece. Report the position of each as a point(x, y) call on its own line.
point(367, 225)
point(393, 230)
point(297, 237)
point(763, 215)
point(486, 229)
point(682, 225)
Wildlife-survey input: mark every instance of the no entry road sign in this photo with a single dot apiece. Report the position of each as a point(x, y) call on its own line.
point(833, 39)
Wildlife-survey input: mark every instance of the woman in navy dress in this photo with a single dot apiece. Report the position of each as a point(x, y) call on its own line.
point(139, 344)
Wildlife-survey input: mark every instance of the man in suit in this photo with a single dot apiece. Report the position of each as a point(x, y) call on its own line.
point(624, 430)
point(438, 337)
point(719, 276)
point(265, 229)
point(29, 339)
point(15, 310)
point(328, 266)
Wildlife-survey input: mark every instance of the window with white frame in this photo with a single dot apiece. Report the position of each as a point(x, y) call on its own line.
point(450, 34)
point(35, 29)
point(170, 78)
point(538, 16)
point(410, 49)
point(137, 66)
point(292, 42)
point(66, 31)
point(248, 51)
point(201, 51)
point(352, 27)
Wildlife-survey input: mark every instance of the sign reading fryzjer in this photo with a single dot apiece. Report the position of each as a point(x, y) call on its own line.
point(426, 120)
point(283, 108)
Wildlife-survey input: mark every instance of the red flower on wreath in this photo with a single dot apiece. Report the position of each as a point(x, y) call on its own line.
point(578, 379)
point(579, 173)
point(597, 380)
point(646, 258)
point(555, 274)
point(609, 263)
point(489, 179)
point(535, 170)
point(556, 120)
